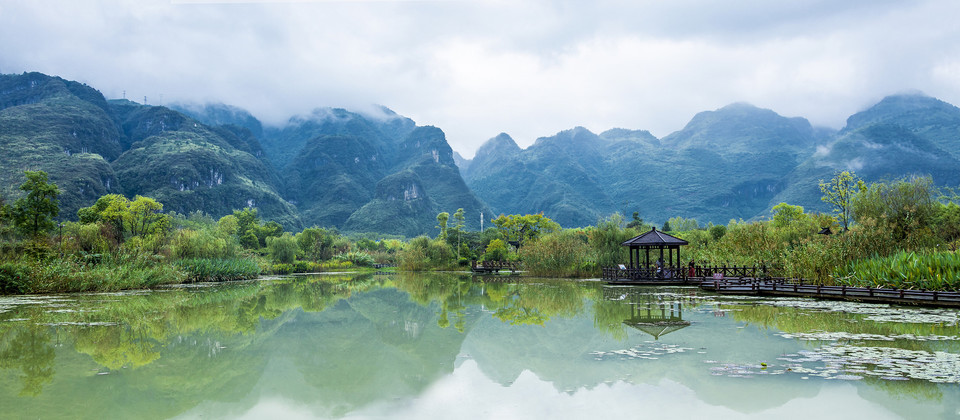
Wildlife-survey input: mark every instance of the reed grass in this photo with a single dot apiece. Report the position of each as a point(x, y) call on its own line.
point(218, 269)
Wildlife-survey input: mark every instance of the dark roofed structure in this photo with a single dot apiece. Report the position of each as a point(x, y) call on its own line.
point(654, 240)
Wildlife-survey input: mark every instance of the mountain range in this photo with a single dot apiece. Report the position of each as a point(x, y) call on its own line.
point(377, 171)
point(736, 162)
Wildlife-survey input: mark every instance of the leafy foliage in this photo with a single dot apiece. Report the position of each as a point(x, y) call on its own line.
point(34, 212)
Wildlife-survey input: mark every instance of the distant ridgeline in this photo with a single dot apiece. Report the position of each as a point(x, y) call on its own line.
point(379, 172)
point(732, 163)
point(333, 168)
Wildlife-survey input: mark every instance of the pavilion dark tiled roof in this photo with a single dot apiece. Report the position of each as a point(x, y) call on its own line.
point(654, 238)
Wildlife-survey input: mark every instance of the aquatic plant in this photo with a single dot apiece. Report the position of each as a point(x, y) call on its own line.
point(904, 270)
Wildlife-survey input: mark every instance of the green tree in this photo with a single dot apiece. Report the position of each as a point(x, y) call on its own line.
point(316, 244)
point(839, 192)
point(901, 207)
point(252, 235)
point(717, 231)
point(283, 248)
point(145, 216)
point(496, 251)
point(681, 224)
point(5, 218)
point(523, 228)
point(666, 227)
point(442, 218)
point(112, 210)
point(637, 222)
point(459, 221)
point(785, 214)
point(606, 239)
point(33, 213)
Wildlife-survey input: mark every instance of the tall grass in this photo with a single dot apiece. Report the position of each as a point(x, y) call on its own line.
point(559, 254)
point(59, 275)
point(219, 269)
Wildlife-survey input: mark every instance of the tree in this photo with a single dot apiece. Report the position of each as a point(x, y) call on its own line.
point(5, 218)
point(784, 214)
point(496, 251)
point(681, 224)
point(902, 207)
point(637, 222)
point(33, 213)
point(283, 248)
point(442, 218)
point(459, 221)
point(112, 210)
point(145, 216)
point(839, 192)
point(248, 228)
point(666, 227)
point(523, 228)
point(316, 244)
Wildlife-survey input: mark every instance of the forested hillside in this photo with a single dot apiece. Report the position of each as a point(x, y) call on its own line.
point(733, 163)
point(377, 171)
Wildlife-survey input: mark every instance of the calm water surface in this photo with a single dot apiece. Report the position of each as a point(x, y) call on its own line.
point(448, 346)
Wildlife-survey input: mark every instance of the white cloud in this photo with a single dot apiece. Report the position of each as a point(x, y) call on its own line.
point(476, 68)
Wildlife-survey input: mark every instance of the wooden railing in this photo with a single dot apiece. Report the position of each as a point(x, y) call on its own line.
point(493, 266)
point(786, 287)
point(642, 273)
point(722, 272)
point(710, 272)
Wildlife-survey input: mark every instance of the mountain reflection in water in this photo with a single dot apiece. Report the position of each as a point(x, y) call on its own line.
point(443, 345)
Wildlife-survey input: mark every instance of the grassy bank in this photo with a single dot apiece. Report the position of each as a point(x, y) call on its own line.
point(68, 275)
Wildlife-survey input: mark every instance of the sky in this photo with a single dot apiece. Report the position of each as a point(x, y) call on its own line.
point(476, 68)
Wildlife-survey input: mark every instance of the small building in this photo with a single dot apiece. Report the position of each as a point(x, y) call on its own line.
point(654, 256)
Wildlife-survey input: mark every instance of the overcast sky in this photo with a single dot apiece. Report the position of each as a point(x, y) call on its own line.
point(476, 68)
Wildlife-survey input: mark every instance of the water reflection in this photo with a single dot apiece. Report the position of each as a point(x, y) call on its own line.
point(373, 345)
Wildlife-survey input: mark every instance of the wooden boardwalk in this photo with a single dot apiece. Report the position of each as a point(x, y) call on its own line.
point(784, 287)
point(488, 267)
point(754, 281)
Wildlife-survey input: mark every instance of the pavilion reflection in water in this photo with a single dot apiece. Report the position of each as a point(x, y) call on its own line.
point(649, 312)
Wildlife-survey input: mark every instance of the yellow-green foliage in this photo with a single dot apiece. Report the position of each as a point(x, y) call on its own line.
point(423, 253)
point(283, 248)
point(559, 254)
point(84, 237)
point(204, 243)
point(496, 251)
point(606, 239)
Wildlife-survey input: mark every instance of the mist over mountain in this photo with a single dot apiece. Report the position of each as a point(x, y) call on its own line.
point(378, 171)
point(736, 162)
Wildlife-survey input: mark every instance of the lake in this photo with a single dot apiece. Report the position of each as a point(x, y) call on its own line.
point(452, 346)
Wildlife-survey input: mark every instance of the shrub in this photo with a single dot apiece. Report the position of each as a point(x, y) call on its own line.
point(283, 248)
point(496, 251)
point(13, 278)
point(204, 243)
point(358, 258)
point(424, 253)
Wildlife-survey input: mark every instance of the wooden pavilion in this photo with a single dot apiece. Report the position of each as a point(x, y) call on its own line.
point(654, 255)
point(657, 318)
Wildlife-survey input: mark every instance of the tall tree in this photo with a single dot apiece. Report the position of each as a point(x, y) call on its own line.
point(144, 215)
point(522, 228)
point(459, 221)
point(839, 192)
point(33, 213)
point(442, 219)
